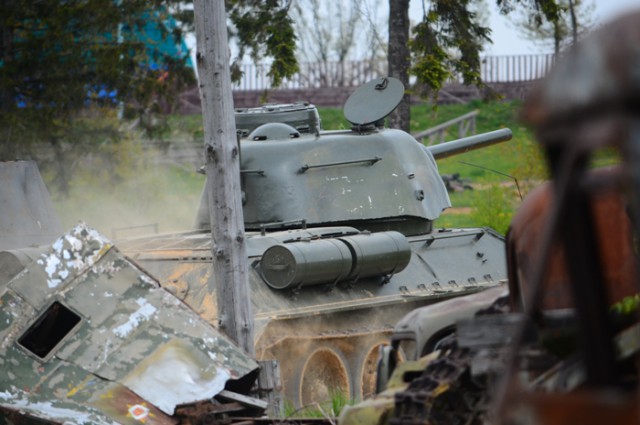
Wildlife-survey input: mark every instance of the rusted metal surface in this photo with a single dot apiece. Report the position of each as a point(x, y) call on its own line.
point(589, 102)
point(613, 230)
point(573, 243)
point(88, 337)
point(580, 407)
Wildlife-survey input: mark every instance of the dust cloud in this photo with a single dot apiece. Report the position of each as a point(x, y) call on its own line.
point(152, 193)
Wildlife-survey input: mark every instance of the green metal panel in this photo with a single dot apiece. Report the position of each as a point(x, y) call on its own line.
point(340, 177)
point(132, 351)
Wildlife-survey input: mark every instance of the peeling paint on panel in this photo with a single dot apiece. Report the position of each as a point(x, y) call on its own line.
point(134, 355)
point(176, 374)
point(69, 253)
point(144, 313)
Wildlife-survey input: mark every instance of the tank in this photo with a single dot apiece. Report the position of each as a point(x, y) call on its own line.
point(340, 239)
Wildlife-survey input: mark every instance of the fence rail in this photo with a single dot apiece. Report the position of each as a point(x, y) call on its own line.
point(466, 124)
point(493, 69)
point(516, 68)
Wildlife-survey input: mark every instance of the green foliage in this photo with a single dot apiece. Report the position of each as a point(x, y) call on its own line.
point(55, 58)
point(557, 34)
point(494, 207)
point(628, 305)
point(265, 29)
point(486, 206)
point(333, 119)
point(447, 41)
point(624, 313)
point(450, 37)
point(539, 10)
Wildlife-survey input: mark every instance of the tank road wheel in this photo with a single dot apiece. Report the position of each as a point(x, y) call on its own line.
point(324, 373)
point(369, 368)
point(369, 371)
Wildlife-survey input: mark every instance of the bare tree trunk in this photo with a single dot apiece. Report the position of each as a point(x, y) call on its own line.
point(229, 278)
point(399, 58)
point(6, 45)
point(574, 22)
point(62, 178)
point(557, 37)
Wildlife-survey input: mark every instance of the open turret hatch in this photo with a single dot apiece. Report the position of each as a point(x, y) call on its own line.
point(372, 102)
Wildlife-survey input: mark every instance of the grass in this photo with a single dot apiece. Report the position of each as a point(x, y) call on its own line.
point(329, 409)
point(517, 157)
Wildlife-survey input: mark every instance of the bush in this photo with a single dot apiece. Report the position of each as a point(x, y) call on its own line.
point(494, 207)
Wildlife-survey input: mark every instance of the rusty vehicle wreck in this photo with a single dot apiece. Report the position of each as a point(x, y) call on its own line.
point(561, 346)
point(340, 239)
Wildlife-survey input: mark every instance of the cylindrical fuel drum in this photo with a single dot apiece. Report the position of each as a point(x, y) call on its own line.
point(378, 254)
point(327, 261)
point(306, 263)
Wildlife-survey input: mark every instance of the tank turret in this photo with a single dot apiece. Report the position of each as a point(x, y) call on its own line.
point(368, 177)
point(340, 240)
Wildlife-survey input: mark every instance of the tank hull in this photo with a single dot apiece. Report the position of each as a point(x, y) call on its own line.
point(326, 336)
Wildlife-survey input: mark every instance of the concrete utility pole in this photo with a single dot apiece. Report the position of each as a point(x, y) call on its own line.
point(229, 278)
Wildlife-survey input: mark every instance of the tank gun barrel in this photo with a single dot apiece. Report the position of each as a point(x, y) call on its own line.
point(455, 147)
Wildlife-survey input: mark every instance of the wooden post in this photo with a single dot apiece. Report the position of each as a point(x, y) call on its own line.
point(229, 278)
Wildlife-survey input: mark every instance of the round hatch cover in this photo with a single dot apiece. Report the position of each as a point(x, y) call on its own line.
point(373, 101)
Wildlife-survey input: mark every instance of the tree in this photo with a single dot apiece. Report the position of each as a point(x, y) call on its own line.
point(57, 57)
point(264, 28)
point(448, 41)
point(574, 22)
point(331, 33)
point(229, 278)
point(326, 35)
point(399, 57)
point(59, 60)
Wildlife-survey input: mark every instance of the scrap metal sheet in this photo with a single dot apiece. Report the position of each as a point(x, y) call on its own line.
point(136, 353)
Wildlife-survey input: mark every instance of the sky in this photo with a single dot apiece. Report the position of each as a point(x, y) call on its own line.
point(507, 40)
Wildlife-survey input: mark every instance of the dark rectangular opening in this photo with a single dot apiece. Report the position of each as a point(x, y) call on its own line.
point(49, 330)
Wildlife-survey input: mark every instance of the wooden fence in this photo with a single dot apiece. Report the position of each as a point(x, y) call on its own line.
point(466, 126)
point(494, 69)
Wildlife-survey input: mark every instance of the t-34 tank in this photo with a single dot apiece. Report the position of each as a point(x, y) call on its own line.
point(340, 240)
